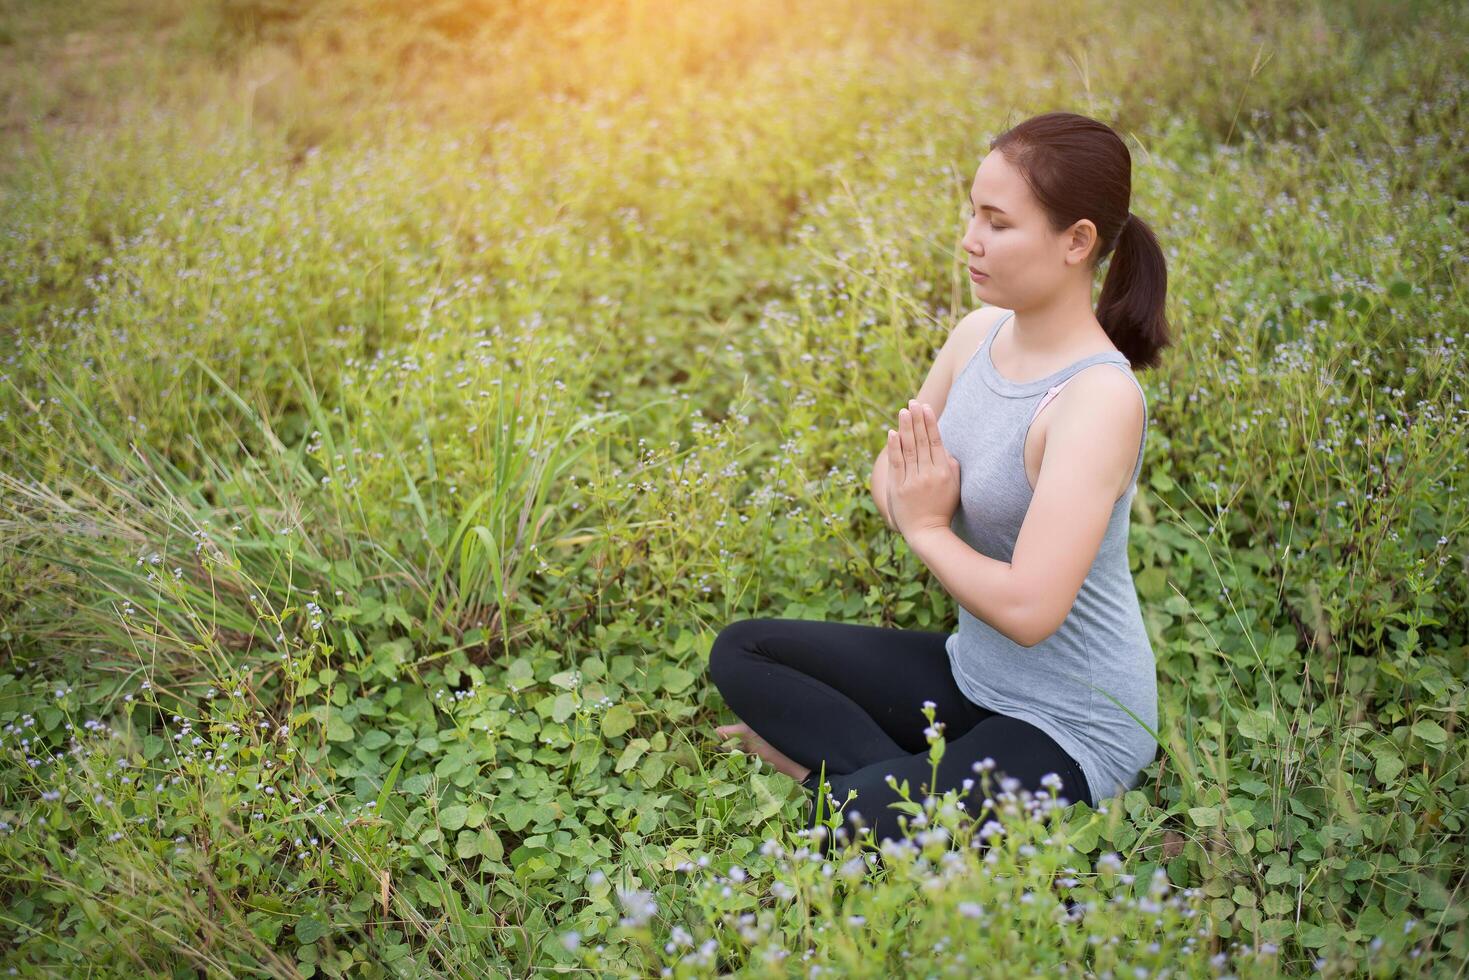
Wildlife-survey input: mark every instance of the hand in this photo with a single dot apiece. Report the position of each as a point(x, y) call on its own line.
point(923, 479)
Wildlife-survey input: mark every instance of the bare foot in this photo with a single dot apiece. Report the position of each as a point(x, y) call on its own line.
point(756, 745)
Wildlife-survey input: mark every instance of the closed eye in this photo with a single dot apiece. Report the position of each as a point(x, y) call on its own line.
point(973, 214)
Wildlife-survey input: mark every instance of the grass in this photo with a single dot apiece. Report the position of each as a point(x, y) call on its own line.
point(396, 399)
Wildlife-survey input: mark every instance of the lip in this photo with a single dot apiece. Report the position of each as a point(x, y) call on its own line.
point(977, 276)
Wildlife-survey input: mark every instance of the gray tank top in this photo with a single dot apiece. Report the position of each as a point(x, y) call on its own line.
point(1060, 685)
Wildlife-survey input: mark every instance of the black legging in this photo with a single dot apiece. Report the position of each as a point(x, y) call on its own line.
point(852, 695)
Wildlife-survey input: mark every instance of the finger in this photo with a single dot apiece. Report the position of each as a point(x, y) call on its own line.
point(920, 436)
point(935, 444)
point(926, 457)
point(895, 459)
point(905, 437)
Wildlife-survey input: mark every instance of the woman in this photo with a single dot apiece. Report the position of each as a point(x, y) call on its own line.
point(1011, 475)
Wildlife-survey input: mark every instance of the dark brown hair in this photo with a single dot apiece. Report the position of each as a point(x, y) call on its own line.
point(1079, 168)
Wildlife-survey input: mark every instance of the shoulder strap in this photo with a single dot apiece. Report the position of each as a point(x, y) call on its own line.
point(988, 339)
point(1050, 393)
point(1055, 390)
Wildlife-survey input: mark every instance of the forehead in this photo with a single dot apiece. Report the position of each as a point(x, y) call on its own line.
point(997, 182)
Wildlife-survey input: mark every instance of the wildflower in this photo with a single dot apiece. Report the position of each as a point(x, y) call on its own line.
point(639, 905)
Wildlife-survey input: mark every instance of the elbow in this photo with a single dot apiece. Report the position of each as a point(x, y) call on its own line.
point(1035, 627)
point(1034, 638)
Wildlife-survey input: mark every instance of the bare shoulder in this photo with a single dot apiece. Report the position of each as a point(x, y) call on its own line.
point(961, 343)
point(1107, 403)
point(969, 333)
point(972, 328)
point(1103, 388)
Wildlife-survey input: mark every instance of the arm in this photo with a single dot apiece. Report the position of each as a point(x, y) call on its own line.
point(1091, 447)
point(961, 343)
point(988, 589)
point(878, 483)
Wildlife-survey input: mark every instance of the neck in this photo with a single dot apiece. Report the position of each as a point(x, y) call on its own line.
point(1063, 322)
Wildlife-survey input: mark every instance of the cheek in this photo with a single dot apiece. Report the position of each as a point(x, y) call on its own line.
point(1014, 248)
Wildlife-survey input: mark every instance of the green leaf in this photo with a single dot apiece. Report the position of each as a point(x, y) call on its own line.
point(375, 739)
point(653, 770)
point(631, 754)
point(391, 780)
point(1389, 763)
point(418, 783)
point(1255, 725)
point(1431, 892)
point(1204, 816)
point(518, 814)
point(1240, 819)
point(1280, 873)
point(566, 680)
point(675, 679)
point(618, 719)
point(1084, 831)
point(1278, 903)
point(563, 707)
point(769, 800)
point(585, 755)
point(309, 929)
point(467, 844)
point(1430, 731)
point(1315, 936)
point(453, 817)
point(338, 730)
point(520, 674)
point(1152, 582)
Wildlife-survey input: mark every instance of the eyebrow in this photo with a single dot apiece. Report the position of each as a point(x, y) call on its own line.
point(988, 207)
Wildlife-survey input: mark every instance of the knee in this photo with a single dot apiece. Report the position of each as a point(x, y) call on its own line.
point(730, 648)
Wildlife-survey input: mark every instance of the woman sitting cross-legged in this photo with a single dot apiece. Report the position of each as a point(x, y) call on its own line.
point(1011, 475)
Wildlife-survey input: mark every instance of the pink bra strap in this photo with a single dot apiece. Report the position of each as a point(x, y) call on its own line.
point(1052, 393)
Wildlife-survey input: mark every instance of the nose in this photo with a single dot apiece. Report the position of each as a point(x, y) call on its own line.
point(970, 241)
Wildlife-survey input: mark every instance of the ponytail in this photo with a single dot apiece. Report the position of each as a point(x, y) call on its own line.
point(1131, 305)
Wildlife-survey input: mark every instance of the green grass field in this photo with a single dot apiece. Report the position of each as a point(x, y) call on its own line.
point(396, 399)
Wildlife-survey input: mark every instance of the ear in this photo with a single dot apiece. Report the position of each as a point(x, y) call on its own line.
point(1080, 240)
